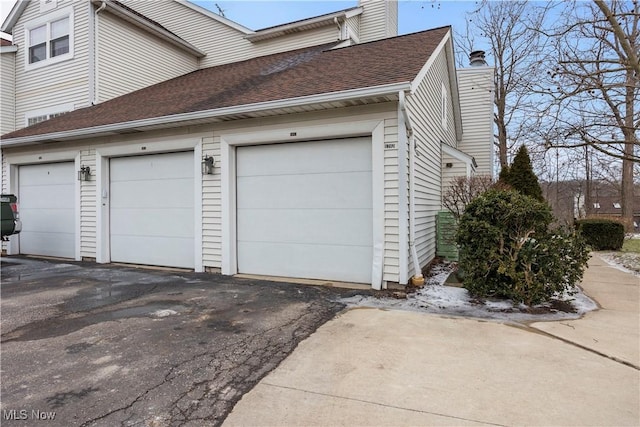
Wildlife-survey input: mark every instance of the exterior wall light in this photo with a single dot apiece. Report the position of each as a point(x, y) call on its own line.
point(207, 165)
point(84, 174)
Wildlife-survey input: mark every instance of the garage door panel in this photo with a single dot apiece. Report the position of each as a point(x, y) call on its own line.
point(344, 155)
point(46, 197)
point(153, 222)
point(47, 244)
point(150, 250)
point(305, 209)
point(57, 220)
point(154, 166)
point(47, 174)
point(55, 196)
point(152, 209)
point(328, 262)
point(346, 190)
point(152, 193)
point(301, 226)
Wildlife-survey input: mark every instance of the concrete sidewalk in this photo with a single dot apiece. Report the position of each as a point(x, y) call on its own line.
point(614, 329)
point(376, 367)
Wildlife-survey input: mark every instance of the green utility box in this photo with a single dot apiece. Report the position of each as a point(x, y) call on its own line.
point(446, 227)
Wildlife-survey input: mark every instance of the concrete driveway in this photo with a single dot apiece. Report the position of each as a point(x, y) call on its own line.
point(372, 367)
point(85, 345)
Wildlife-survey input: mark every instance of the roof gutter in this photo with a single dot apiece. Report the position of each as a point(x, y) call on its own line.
point(9, 49)
point(323, 20)
point(177, 119)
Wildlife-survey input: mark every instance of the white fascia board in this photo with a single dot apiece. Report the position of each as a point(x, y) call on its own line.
point(8, 49)
point(324, 20)
point(390, 89)
point(215, 16)
point(457, 154)
point(12, 18)
point(427, 65)
point(445, 44)
point(146, 25)
point(455, 93)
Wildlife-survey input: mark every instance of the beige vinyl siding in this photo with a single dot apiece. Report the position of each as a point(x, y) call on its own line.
point(425, 108)
point(88, 205)
point(391, 271)
point(130, 58)
point(379, 20)
point(294, 41)
point(459, 168)
point(212, 208)
point(222, 43)
point(476, 105)
point(392, 18)
point(7, 92)
point(65, 82)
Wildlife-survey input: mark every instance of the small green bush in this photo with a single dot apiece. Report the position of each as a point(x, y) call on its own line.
point(602, 234)
point(508, 251)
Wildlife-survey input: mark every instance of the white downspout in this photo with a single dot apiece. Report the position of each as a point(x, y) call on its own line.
point(417, 273)
point(96, 33)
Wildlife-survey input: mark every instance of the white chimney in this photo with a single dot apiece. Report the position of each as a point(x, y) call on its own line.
point(379, 20)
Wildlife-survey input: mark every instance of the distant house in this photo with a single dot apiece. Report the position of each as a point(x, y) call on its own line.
point(611, 207)
point(159, 133)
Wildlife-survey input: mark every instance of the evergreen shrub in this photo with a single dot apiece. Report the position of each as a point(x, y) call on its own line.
point(507, 249)
point(602, 234)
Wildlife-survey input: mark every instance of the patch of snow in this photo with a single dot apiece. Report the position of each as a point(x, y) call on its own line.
point(437, 298)
point(164, 313)
point(614, 261)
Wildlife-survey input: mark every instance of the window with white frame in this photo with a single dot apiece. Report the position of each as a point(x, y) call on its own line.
point(37, 116)
point(49, 39)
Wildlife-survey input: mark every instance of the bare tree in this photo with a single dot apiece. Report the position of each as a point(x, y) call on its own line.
point(518, 52)
point(463, 190)
point(595, 85)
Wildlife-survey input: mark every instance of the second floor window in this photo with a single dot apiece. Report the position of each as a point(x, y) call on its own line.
point(49, 40)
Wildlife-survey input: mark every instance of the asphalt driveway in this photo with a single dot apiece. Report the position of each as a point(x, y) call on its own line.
point(84, 344)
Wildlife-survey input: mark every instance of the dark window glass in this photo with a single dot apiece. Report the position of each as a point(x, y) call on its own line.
point(60, 46)
point(37, 53)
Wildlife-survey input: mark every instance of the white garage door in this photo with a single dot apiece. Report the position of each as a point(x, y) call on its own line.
point(305, 210)
point(151, 214)
point(47, 209)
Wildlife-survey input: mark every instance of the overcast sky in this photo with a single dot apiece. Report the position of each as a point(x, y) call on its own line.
point(414, 15)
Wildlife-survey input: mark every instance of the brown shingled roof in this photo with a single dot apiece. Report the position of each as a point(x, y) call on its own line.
point(5, 42)
point(303, 72)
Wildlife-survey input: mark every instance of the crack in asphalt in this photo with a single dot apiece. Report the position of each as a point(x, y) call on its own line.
point(229, 371)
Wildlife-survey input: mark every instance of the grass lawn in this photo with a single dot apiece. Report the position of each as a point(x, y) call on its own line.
point(631, 245)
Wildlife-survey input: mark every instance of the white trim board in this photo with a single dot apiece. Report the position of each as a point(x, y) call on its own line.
point(143, 147)
point(283, 133)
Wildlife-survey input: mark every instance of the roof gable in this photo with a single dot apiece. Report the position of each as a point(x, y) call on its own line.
point(275, 78)
point(147, 24)
point(14, 14)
